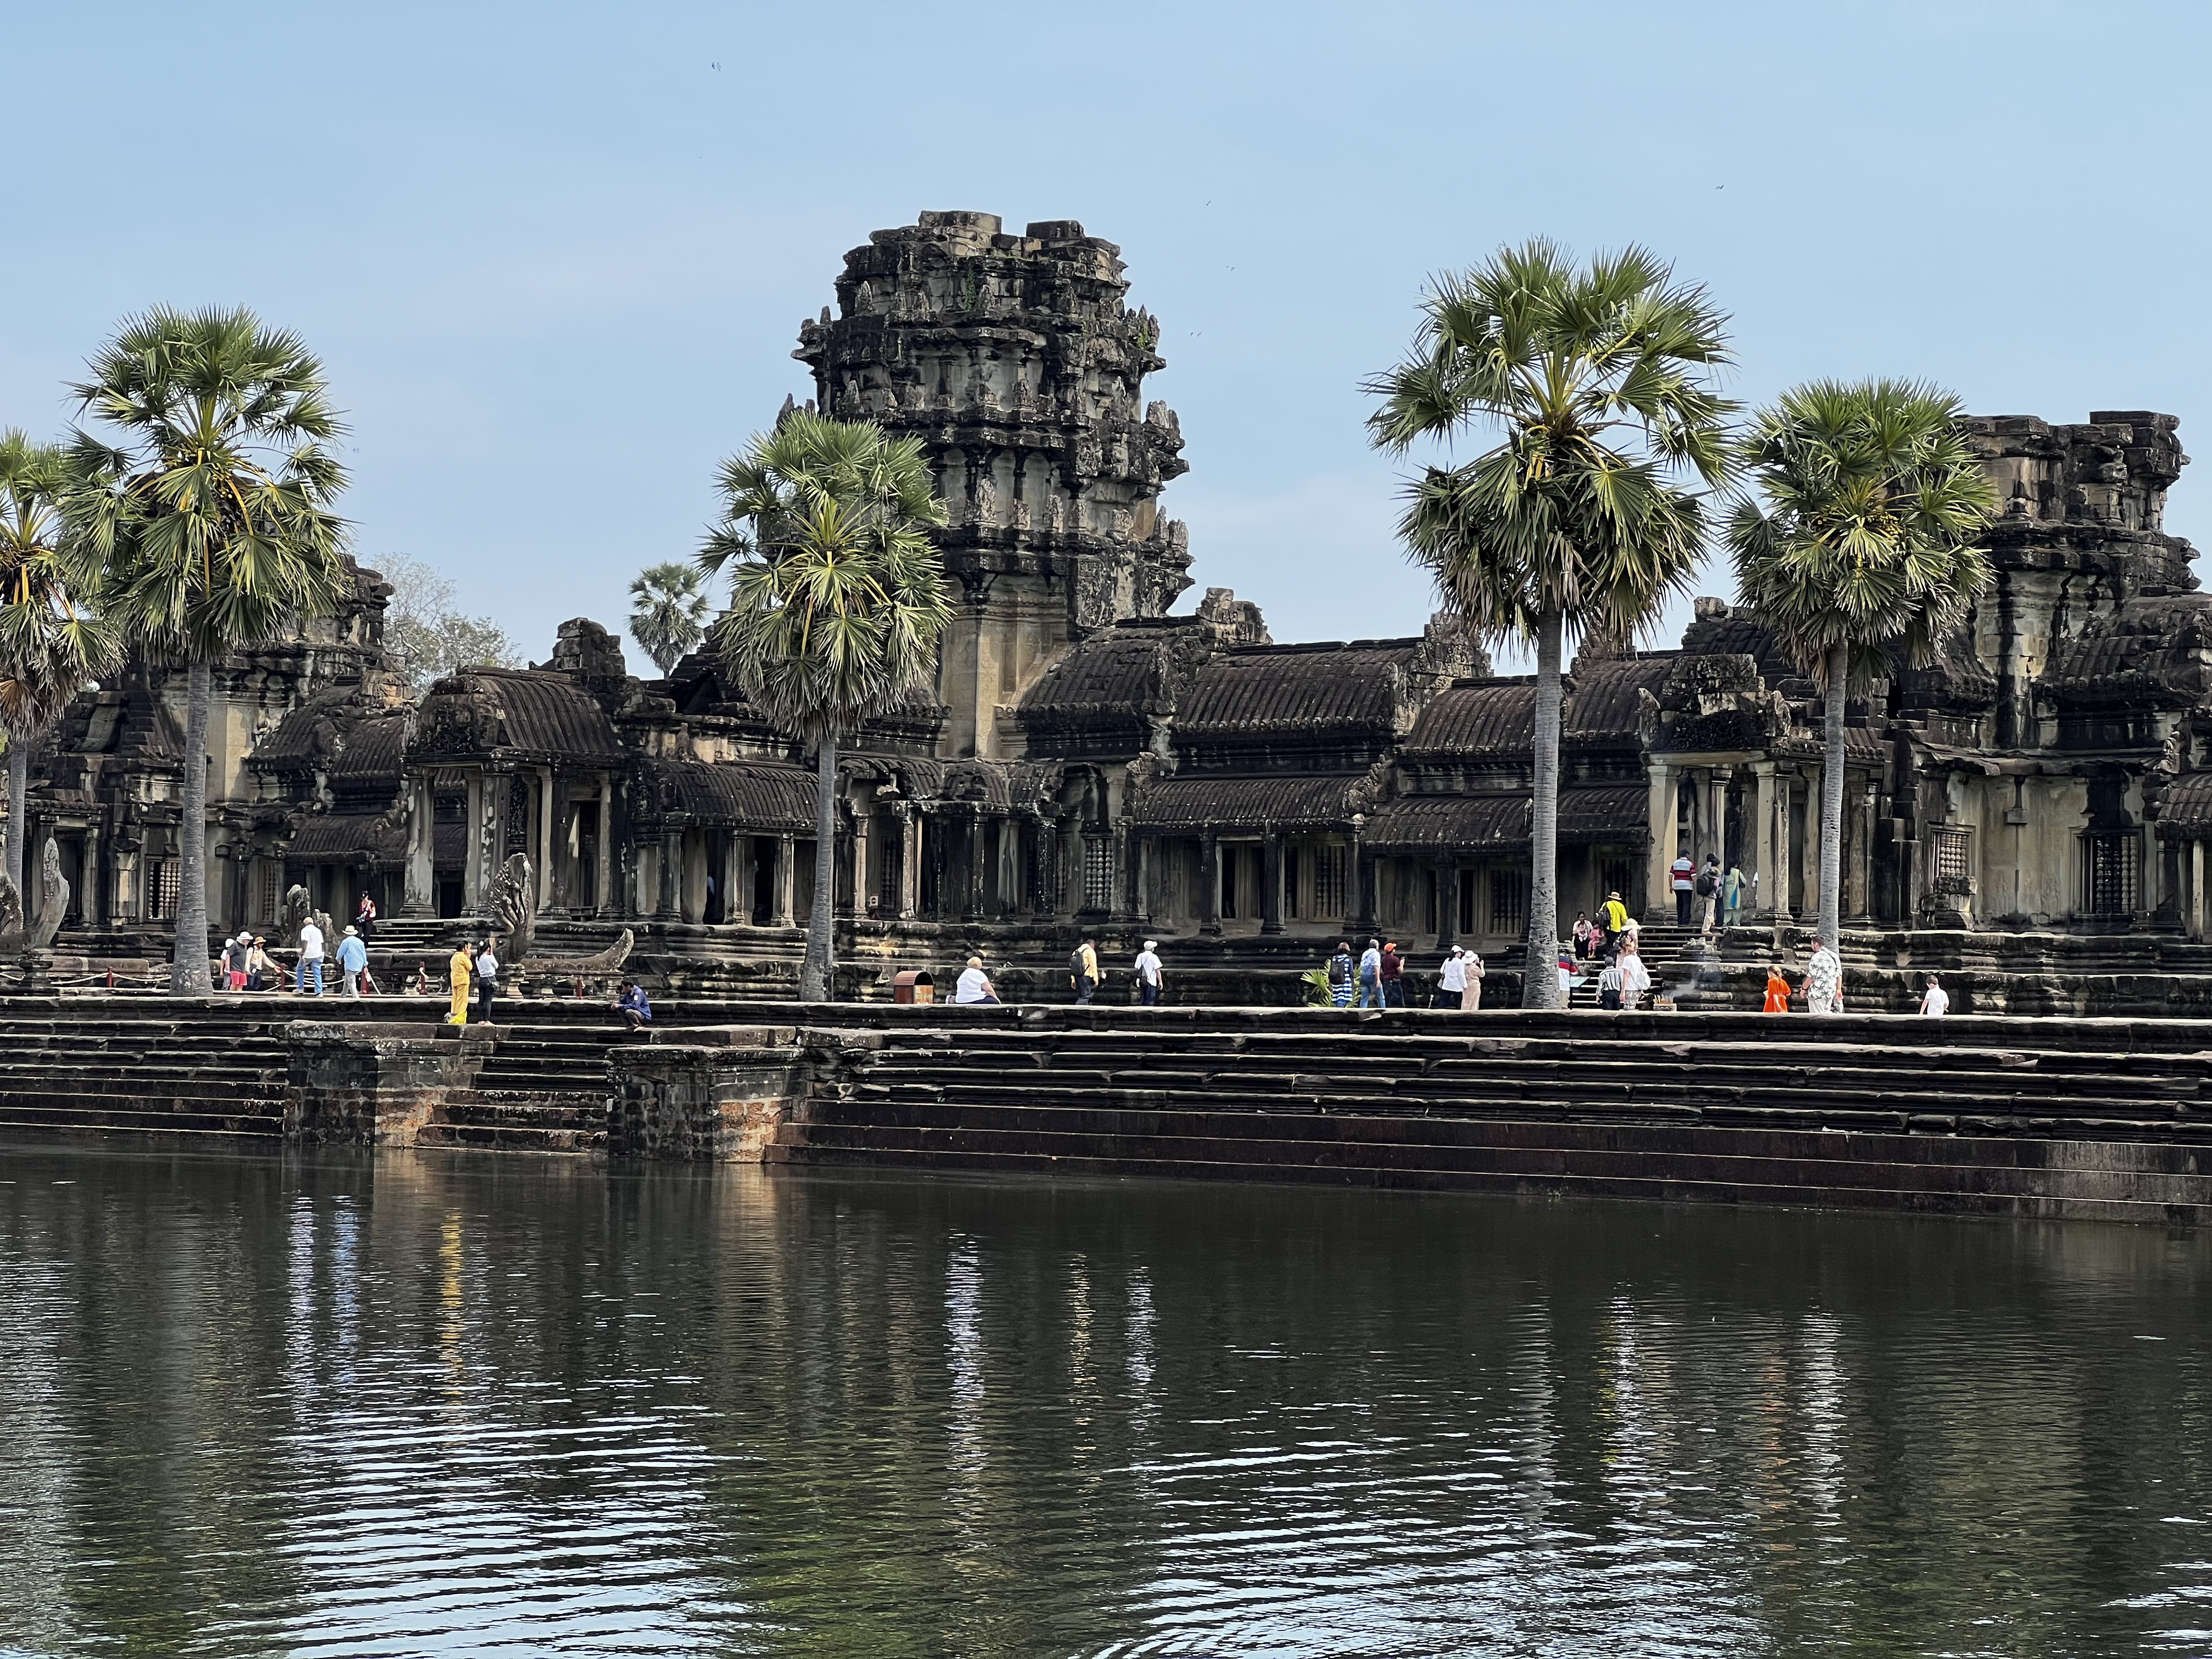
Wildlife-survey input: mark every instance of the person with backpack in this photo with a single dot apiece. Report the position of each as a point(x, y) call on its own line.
point(1709, 891)
point(1370, 975)
point(1083, 970)
point(1614, 914)
point(1342, 970)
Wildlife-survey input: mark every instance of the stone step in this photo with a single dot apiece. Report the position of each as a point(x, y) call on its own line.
point(259, 1118)
point(513, 1138)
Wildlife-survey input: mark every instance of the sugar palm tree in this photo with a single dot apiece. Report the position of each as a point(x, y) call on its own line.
point(1863, 550)
point(837, 598)
point(1590, 510)
point(204, 487)
point(668, 611)
point(53, 639)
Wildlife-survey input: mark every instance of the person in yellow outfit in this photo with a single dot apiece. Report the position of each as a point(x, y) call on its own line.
point(458, 967)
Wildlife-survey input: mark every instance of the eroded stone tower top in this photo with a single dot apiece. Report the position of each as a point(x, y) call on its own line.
point(1017, 362)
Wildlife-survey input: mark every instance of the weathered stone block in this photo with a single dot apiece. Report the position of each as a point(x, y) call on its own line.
point(375, 1083)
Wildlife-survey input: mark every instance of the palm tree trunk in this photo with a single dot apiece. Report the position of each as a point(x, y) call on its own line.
point(1832, 800)
point(1539, 978)
point(819, 970)
point(19, 794)
point(188, 963)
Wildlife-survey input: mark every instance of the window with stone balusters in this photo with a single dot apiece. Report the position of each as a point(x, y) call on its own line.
point(1098, 873)
point(2110, 872)
point(1509, 901)
point(1329, 883)
point(162, 890)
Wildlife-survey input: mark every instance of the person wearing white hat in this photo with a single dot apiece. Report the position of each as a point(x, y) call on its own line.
point(1148, 974)
point(1451, 982)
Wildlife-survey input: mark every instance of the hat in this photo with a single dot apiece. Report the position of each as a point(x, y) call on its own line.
point(1459, 950)
point(1615, 894)
point(351, 931)
point(1152, 944)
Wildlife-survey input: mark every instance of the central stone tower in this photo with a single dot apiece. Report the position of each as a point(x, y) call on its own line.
point(1015, 362)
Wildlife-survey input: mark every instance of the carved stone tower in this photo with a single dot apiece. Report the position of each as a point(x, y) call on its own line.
point(1015, 362)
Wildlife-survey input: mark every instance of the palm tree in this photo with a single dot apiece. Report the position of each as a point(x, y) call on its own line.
point(836, 601)
point(209, 506)
point(1863, 552)
point(52, 638)
point(668, 611)
point(1590, 511)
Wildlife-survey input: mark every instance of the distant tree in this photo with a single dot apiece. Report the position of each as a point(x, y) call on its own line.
point(53, 639)
point(1862, 549)
point(837, 599)
point(210, 506)
point(668, 612)
point(1589, 512)
point(427, 633)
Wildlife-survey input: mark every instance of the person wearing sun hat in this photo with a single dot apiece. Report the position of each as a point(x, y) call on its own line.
point(1149, 976)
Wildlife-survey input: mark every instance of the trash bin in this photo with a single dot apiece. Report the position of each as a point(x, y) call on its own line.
point(913, 985)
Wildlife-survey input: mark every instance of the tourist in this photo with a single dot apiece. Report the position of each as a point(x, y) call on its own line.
point(1149, 975)
point(458, 966)
point(260, 972)
point(1732, 892)
point(1777, 991)
point(1583, 934)
point(364, 917)
point(1342, 971)
point(1472, 998)
point(1390, 974)
point(636, 1013)
point(487, 976)
point(1567, 980)
point(1936, 1002)
point(1451, 979)
point(1824, 981)
point(974, 985)
point(1608, 986)
point(311, 957)
point(1371, 974)
point(1635, 977)
point(235, 953)
point(1709, 891)
point(1685, 879)
point(1614, 916)
point(353, 961)
point(419, 985)
point(1083, 969)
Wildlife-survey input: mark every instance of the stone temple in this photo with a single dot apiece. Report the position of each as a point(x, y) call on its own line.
point(2029, 812)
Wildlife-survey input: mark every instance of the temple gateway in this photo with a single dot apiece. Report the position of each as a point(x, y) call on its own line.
point(2029, 812)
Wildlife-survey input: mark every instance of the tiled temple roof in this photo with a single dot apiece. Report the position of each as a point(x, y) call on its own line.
point(348, 838)
point(2187, 807)
point(1498, 717)
point(2154, 649)
point(1282, 801)
point(1606, 812)
point(742, 794)
point(1311, 692)
point(530, 712)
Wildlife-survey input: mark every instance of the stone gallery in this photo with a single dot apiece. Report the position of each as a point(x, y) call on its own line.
point(2029, 810)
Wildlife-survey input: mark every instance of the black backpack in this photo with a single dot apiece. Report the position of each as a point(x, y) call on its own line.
point(1706, 883)
point(1075, 962)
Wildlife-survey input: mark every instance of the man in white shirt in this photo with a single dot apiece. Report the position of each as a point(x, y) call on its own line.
point(311, 956)
point(1371, 974)
point(1148, 974)
point(1451, 983)
point(1937, 1002)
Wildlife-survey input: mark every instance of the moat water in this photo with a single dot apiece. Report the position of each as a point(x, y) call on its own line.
point(436, 1405)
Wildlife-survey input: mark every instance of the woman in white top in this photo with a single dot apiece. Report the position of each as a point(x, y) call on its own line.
point(975, 984)
point(1451, 982)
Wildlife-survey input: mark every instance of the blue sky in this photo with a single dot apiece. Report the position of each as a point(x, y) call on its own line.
point(555, 257)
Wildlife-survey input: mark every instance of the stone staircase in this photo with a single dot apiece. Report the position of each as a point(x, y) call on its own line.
point(214, 1078)
point(1732, 1106)
point(543, 1088)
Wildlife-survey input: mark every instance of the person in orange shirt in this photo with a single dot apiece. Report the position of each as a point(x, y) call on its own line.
point(1777, 991)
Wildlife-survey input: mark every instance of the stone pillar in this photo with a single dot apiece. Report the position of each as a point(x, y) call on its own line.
point(737, 892)
point(1716, 817)
point(1858, 867)
point(1271, 884)
point(669, 907)
point(1785, 793)
point(1658, 889)
point(473, 874)
point(415, 895)
point(971, 908)
point(1761, 904)
point(92, 902)
point(786, 879)
point(2196, 890)
point(1447, 903)
point(1209, 883)
point(1044, 904)
point(602, 889)
point(549, 808)
point(909, 893)
point(863, 823)
point(1128, 859)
